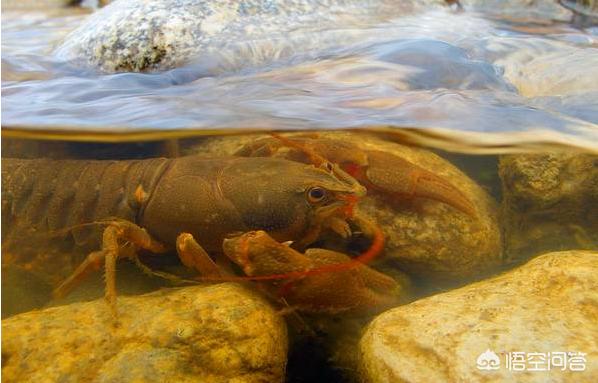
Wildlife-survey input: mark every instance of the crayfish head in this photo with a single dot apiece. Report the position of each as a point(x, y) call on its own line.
point(289, 200)
point(331, 201)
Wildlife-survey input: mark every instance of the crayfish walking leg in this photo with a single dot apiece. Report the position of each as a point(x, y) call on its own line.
point(195, 257)
point(116, 232)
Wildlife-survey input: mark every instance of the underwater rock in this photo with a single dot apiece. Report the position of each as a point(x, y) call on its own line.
point(429, 240)
point(139, 35)
point(550, 305)
point(195, 334)
point(550, 202)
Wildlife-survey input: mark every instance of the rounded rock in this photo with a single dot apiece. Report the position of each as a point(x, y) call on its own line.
point(548, 305)
point(550, 202)
point(195, 334)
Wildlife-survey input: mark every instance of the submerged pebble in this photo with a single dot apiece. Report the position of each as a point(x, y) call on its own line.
point(550, 202)
point(548, 305)
point(204, 333)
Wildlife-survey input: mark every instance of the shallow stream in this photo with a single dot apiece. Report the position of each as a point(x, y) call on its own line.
point(492, 111)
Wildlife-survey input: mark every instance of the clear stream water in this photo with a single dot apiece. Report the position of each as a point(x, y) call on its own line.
point(486, 80)
point(455, 74)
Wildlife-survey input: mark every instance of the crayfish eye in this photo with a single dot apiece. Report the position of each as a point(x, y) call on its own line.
point(316, 194)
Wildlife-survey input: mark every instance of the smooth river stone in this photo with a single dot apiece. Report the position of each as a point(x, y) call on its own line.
point(548, 305)
point(195, 334)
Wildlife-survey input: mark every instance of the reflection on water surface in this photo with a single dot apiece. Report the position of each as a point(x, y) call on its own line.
point(460, 72)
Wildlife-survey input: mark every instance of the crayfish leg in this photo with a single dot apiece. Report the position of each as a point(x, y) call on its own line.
point(264, 147)
point(301, 146)
point(195, 257)
point(92, 263)
point(295, 319)
point(117, 231)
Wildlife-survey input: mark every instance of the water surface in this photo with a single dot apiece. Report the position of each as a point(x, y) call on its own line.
point(456, 74)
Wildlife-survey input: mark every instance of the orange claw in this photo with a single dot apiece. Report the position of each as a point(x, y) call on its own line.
point(397, 177)
point(382, 172)
point(319, 280)
point(241, 252)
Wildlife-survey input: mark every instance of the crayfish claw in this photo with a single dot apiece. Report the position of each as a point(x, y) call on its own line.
point(396, 177)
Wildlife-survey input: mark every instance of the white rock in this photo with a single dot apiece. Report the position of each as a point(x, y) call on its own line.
point(547, 305)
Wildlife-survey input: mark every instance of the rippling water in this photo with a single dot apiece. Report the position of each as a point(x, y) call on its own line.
point(435, 69)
